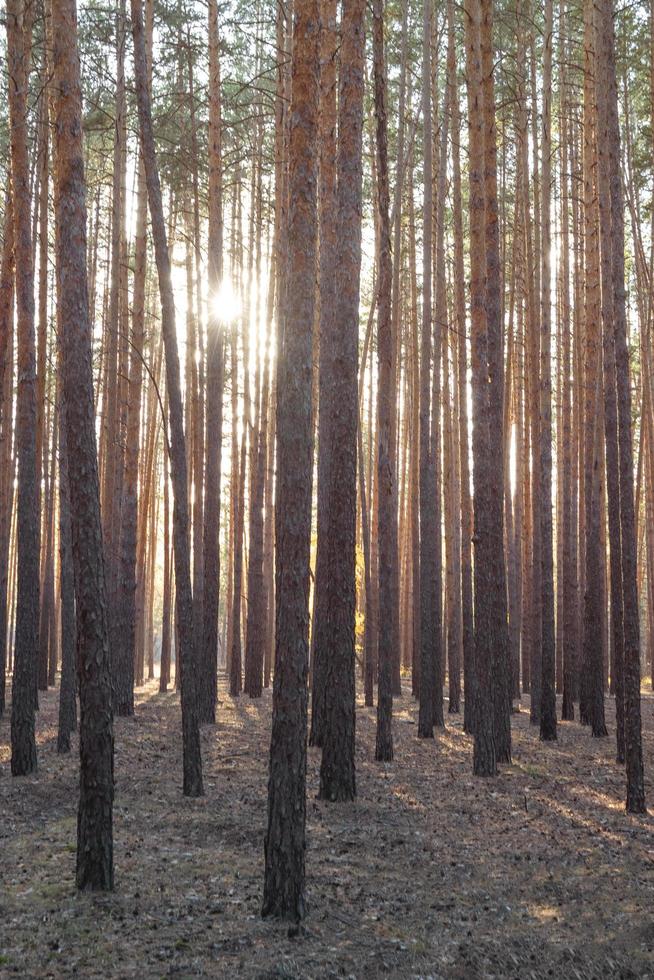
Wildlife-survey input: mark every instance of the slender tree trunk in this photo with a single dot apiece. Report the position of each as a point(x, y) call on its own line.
point(501, 668)
point(215, 380)
point(609, 383)
point(430, 600)
point(548, 642)
point(568, 572)
point(67, 693)
point(387, 512)
point(632, 731)
point(23, 744)
point(177, 446)
point(337, 773)
point(591, 707)
point(327, 216)
point(164, 668)
point(462, 380)
point(125, 633)
point(6, 429)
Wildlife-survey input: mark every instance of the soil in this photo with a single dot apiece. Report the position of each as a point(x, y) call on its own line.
point(431, 873)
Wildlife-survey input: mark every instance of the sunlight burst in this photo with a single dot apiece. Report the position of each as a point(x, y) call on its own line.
point(226, 303)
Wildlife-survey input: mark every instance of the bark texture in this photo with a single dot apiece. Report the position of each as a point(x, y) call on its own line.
point(94, 818)
point(284, 886)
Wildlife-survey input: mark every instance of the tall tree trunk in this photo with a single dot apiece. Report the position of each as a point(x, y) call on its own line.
point(387, 512)
point(591, 704)
point(568, 571)
point(484, 756)
point(609, 383)
point(462, 367)
point(501, 667)
point(215, 380)
point(632, 721)
point(430, 599)
point(396, 307)
point(177, 445)
point(337, 775)
point(112, 458)
point(548, 647)
point(23, 744)
point(94, 823)
point(6, 429)
point(327, 217)
point(285, 835)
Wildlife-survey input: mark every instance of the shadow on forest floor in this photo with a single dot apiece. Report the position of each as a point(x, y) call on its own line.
point(430, 873)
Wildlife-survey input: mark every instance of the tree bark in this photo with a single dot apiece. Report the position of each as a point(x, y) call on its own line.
point(23, 744)
point(484, 755)
point(548, 649)
point(285, 835)
point(387, 507)
point(94, 821)
point(635, 802)
point(215, 381)
point(337, 772)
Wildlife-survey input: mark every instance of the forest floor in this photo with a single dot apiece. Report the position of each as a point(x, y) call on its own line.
point(431, 873)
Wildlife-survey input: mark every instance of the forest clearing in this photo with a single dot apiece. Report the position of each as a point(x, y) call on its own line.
point(430, 873)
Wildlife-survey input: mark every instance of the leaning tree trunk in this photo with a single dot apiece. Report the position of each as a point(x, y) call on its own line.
point(192, 761)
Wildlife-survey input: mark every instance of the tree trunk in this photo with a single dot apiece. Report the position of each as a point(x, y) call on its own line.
point(6, 429)
point(321, 639)
point(387, 512)
point(430, 600)
point(548, 647)
point(23, 744)
point(285, 835)
point(632, 721)
point(484, 756)
point(94, 823)
point(177, 444)
point(67, 692)
point(215, 381)
point(337, 775)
